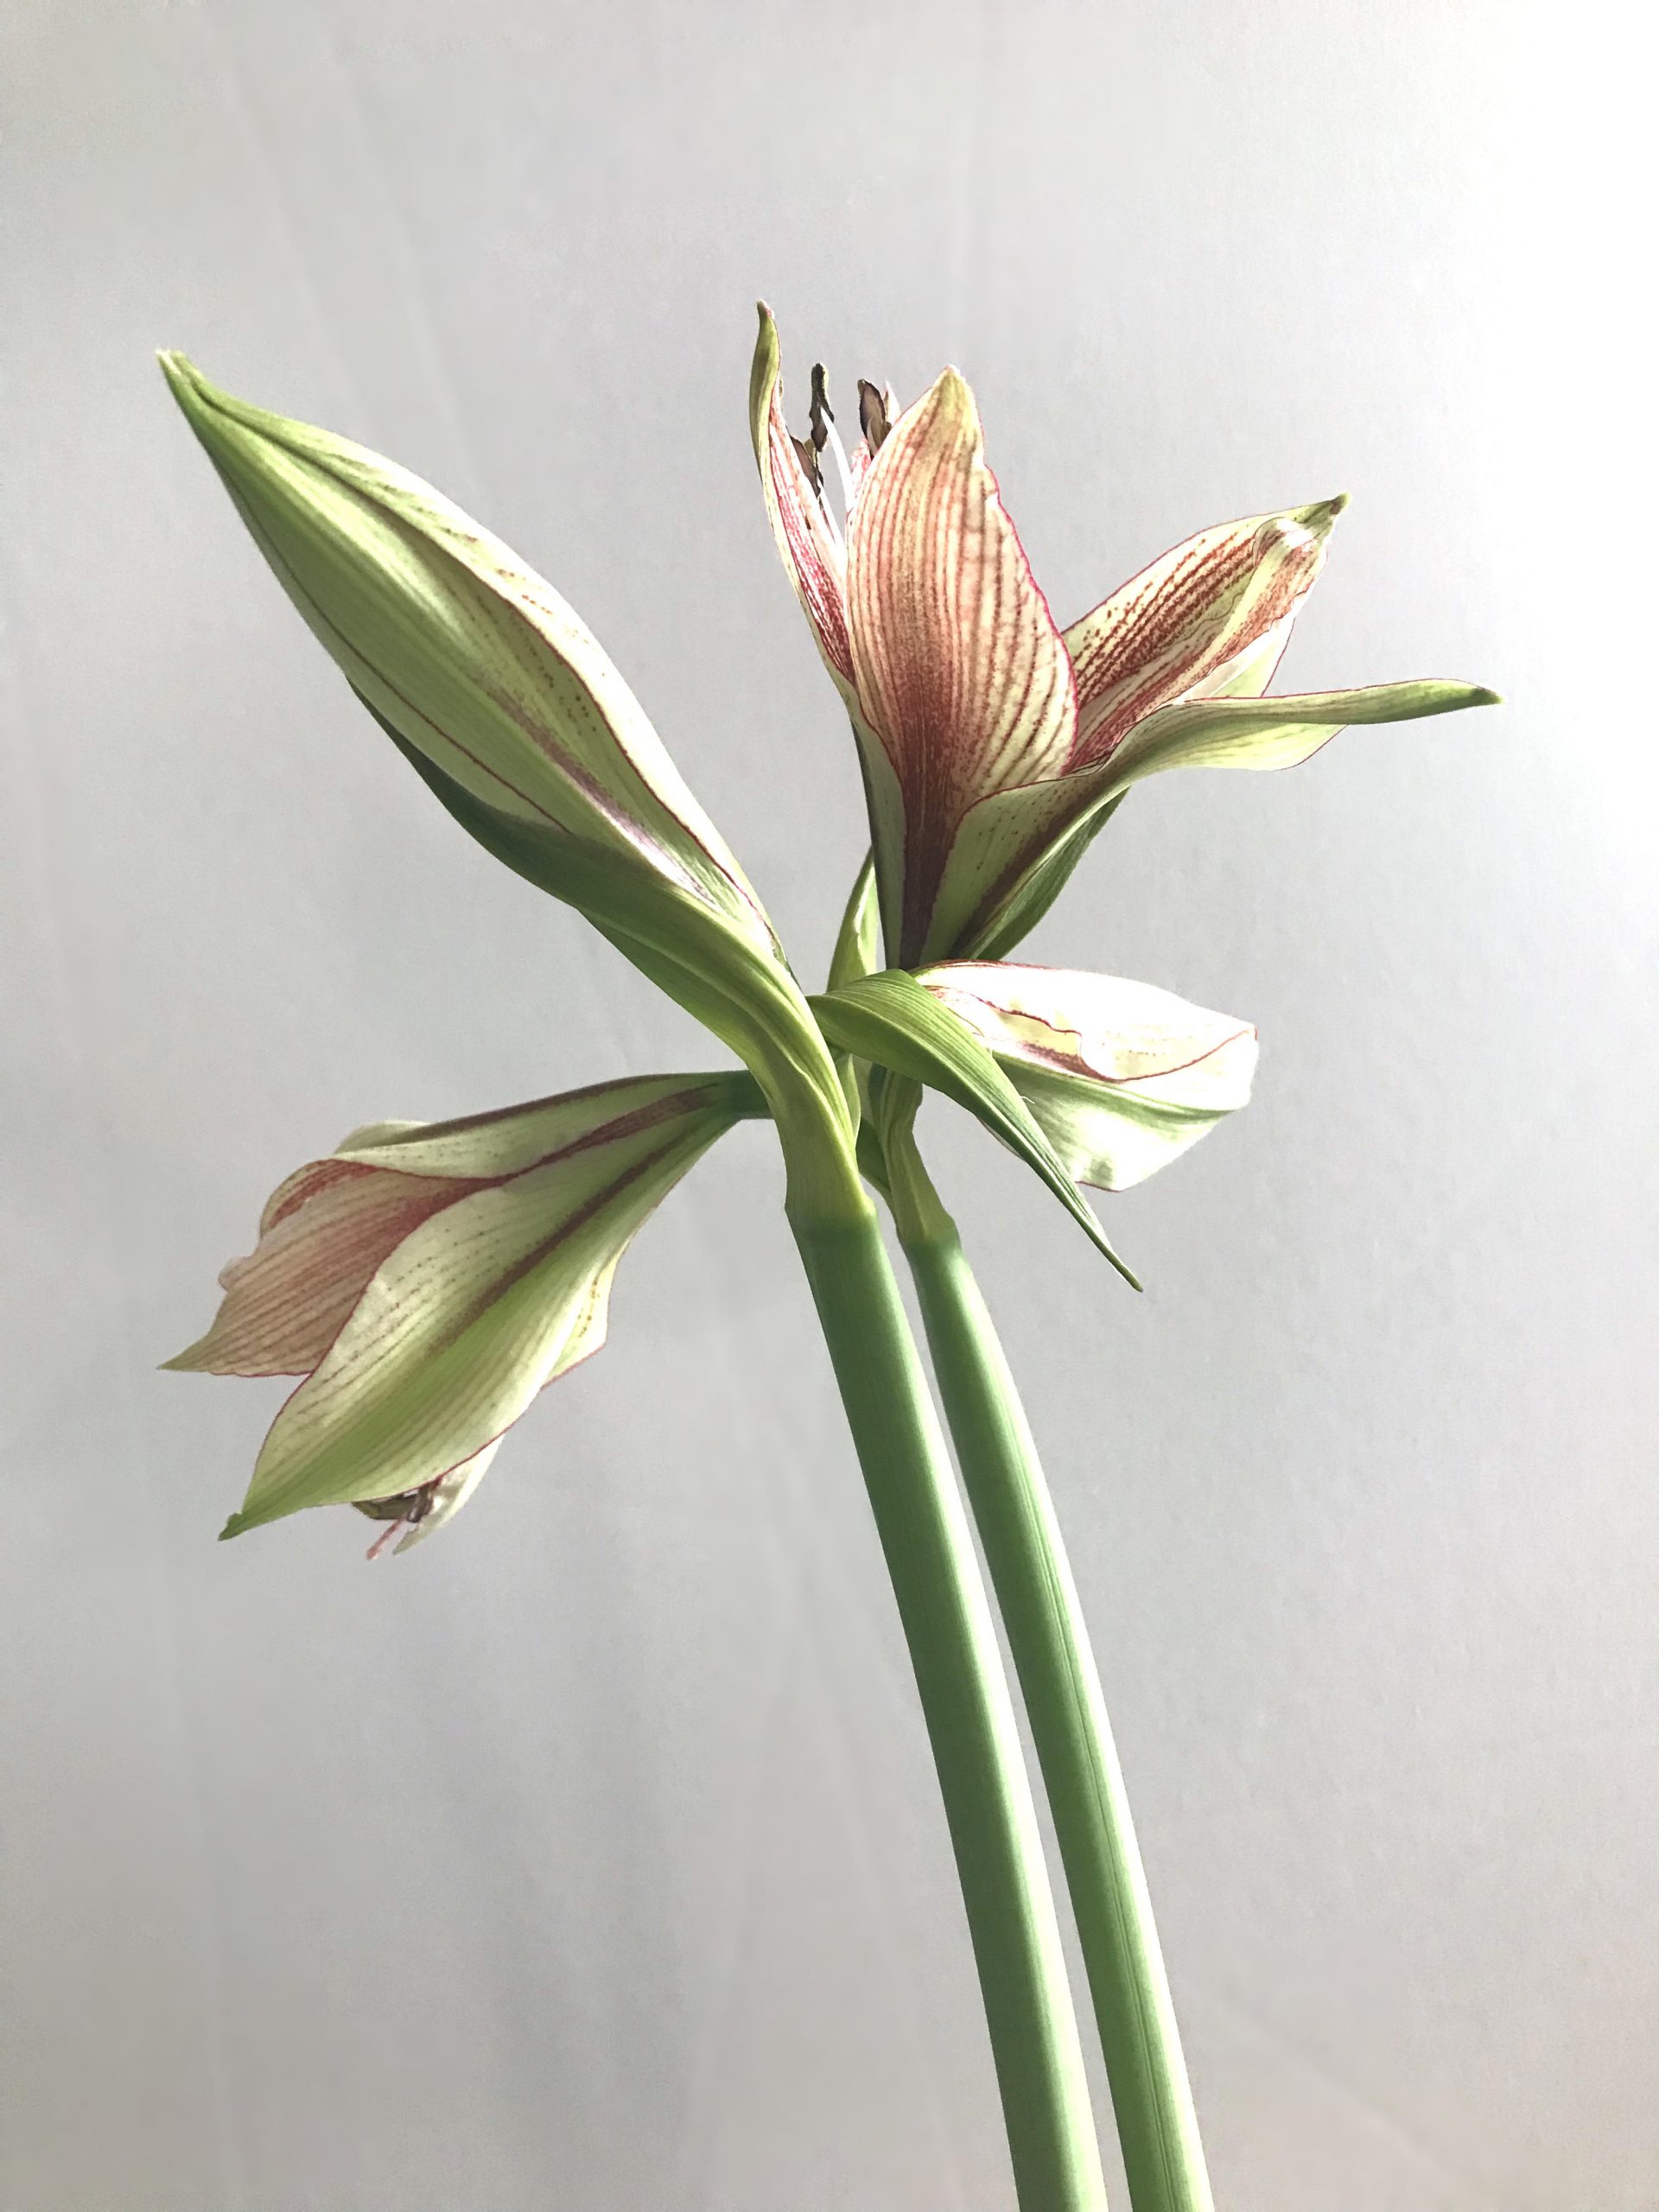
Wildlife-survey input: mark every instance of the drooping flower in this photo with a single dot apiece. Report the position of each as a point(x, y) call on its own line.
point(992, 742)
point(1121, 1077)
point(428, 1279)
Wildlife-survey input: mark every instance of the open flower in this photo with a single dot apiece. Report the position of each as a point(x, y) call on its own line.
point(992, 741)
point(429, 1278)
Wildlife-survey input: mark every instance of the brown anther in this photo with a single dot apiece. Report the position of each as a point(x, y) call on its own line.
point(823, 413)
point(874, 415)
point(411, 1505)
point(808, 456)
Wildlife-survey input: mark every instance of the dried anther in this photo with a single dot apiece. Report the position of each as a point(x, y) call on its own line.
point(875, 416)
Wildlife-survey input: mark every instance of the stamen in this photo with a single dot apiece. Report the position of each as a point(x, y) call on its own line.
point(875, 414)
point(392, 1529)
point(406, 1508)
point(824, 433)
point(808, 454)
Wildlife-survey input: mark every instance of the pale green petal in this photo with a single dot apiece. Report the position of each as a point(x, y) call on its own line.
point(1121, 1077)
point(1276, 733)
point(1050, 824)
point(490, 1146)
point(753, 1004)
point(470, 655)
point(891, 1020)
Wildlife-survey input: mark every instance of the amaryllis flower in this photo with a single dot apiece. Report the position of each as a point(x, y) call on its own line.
point(1121, 1077)
point(992, 740)
point(429, 1278)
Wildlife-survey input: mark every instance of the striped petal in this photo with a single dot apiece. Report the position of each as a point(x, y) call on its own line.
point(1120, 1076)
point(808, 543)
point(471, 658)
point(323, 1236)
point(1211, 617)
point(429, 1278)
point(963, 679)
point(1048, 826)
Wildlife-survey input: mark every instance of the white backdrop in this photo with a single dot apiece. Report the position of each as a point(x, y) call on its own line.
point(590, 1856)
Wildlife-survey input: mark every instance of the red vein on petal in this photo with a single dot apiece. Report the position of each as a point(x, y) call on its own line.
point(961, 669)
point(1171, 628)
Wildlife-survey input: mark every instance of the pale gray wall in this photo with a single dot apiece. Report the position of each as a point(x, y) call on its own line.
point(590, 1857)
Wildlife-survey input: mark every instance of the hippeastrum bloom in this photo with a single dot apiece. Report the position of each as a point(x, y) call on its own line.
point(992, 743)
point(429, 1278)
point(1121, 1077)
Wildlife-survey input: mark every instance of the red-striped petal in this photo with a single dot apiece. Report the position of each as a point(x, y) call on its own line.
point(961, 671)
point(1209, 618)
point(811, 553)
point(1123, 1077)
point(323, 1238)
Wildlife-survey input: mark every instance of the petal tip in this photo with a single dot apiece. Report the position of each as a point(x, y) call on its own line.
point(237, 1525)
point(1320, 514)
point(179, 372)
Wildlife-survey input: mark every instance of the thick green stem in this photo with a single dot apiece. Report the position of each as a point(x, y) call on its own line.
point(966, 1704)
point(1157, 2126)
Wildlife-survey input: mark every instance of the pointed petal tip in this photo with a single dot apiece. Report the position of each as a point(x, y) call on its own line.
point(950, 396)
point(1482, 696)
point(178, 369)
point(237, 1525)
point(1320, 514)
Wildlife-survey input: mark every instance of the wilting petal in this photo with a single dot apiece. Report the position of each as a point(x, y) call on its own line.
point(1211, 615)
point(964, 679)
point(810, 549)
point(1120, 1076)
point(473, 660)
